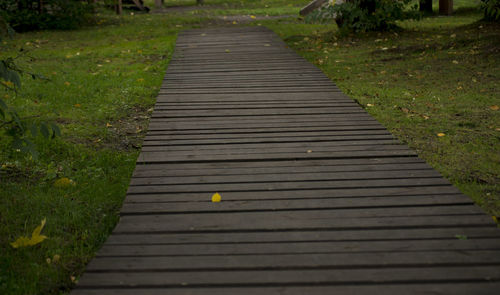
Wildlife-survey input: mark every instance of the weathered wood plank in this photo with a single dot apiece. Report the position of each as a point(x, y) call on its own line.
point(304, 220)
point(294, 261)
point(285, 177)
point(290, 194)
point(307, 276)
point(138, 207)
point(301, 236)
point(152, 171)
point(300, 248)
point(454, 287)
point(162, 157)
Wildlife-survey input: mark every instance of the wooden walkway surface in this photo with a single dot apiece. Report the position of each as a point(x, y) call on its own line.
point(317, 196)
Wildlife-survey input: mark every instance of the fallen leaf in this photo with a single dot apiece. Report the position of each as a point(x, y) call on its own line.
point(369, 105)
point(494, 108)
point(461, 237)
point(140, 80)
point(56, 258)
point(36, 238)
point(108, 125)
point(77, 105)
point(216, 198)
point(227, 50)
point(63, 182)
point(234, 22)
point(441, 134)
point(253, 17)
point(309, 151)
point(455, 62)
point(67, 83)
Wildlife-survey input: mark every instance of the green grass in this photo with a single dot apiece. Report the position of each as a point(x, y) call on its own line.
point(435, 76)
point(103, 81)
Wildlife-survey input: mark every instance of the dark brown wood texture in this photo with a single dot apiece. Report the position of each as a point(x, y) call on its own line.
point(317, 196)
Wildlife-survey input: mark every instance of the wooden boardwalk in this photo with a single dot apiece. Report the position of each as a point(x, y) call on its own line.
point(317, 196)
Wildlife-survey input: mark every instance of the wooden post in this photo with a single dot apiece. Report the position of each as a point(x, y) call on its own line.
point(425, 5)
point(118, 6)
point(445, 7)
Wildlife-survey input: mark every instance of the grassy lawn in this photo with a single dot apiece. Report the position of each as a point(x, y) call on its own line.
point(436, 76)
point(103, 81)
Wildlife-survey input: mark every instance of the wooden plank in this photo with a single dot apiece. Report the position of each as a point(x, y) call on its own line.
point(150, 171)
point(162, 157)
point(304, 146)
point(303, 220)
point(279, 134)
point(300, 248)
point(289, 140)
point(291, 163)
point(259, 112)
point(233, 130)
point(456, 287)
point(277, 277)
point(170, 207)
point(285, 177)
point(290, 194)
point(301, 236)
point(294, 261)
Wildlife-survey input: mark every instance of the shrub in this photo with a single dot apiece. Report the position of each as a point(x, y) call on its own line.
point(491, 9)
point(25, 15)
point(367, 15)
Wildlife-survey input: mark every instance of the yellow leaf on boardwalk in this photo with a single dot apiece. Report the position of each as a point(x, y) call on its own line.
point(36, 238)
point(216, 198)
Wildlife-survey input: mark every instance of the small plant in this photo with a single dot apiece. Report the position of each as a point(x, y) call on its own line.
point(367, 15)
point(18, 128)
point(491, 9)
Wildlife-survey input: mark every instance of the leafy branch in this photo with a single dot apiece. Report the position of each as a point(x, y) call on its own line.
point(21, 129)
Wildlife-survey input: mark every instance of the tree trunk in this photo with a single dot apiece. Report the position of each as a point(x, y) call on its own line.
point(425, 5)
point(445, 7)
point(118, 6)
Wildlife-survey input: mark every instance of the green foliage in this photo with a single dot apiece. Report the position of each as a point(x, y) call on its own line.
point(20, 129)
point(366, 15)
point(491, 9)
point(25, 15)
